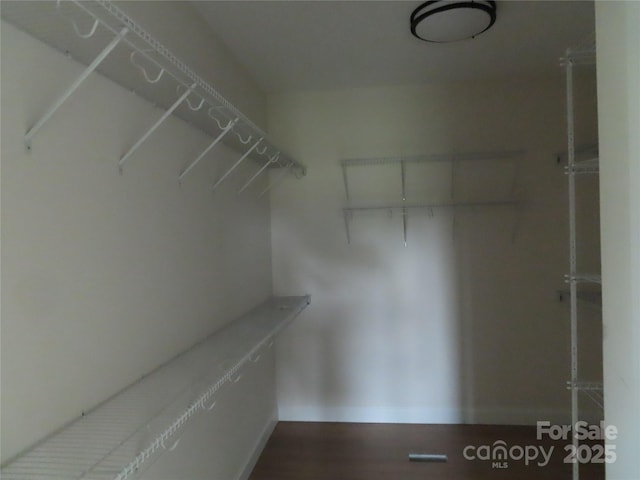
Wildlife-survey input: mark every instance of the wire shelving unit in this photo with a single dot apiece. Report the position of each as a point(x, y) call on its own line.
point(126, 433)
point(453, 204)
point(100, 35)
point(579, 161)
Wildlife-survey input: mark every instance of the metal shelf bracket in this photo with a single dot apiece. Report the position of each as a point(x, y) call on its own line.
point(235, 165)
point(273, 159)
point(277, 180)
point(225, 130)
point(153, 128)
point(73, 87)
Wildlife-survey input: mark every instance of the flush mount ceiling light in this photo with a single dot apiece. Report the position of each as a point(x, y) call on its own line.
point(442, 21)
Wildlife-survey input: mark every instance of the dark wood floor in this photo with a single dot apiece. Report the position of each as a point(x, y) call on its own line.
point(346, 451)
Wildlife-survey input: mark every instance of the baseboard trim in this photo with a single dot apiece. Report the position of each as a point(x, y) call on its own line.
point(257, 450)
point(497, 416)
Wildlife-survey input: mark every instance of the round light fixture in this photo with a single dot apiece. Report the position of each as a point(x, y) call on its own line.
point(442, 21)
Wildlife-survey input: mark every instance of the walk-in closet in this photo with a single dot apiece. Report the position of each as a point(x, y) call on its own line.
point(318, 240)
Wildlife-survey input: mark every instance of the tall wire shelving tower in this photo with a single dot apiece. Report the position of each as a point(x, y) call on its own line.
point(579, 162)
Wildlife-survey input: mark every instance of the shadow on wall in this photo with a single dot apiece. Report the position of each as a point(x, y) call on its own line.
point(460, 325)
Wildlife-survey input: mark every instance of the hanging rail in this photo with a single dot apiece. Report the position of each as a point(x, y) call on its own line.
point(105, 17)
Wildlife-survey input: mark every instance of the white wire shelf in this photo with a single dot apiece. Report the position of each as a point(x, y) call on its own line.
point(591, 165)
point(405, 210)
point(436, 157)
point(594, 391)
point(585, 55)
point(591, 296)
point(454, 204)
point(403, 161)
point(584, 278)
point(585, 160)
point(127, 432)
point(99, 34)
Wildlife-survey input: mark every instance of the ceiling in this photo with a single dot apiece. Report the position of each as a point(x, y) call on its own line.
point(319, 45)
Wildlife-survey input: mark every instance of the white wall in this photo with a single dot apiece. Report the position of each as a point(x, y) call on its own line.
point(106, 276)
point(443, 330)
point(618, 47)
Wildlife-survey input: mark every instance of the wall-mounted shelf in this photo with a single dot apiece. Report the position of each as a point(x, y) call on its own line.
point(453, 204)
point(404, 161)
point(586, 160)
point(587, 296)
point(594, 391)
point(583, 278)
point(429, 208)
point(100, 35)
point(128, 431)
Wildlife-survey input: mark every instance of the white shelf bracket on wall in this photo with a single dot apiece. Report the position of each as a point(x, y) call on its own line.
point(453, 205)
point(272, 160)
point(100, 22)
point(235, 165)
point(277, 180)
point(73, 87)
point(345, 179)
point(224, 131)
point(348, 215)
point(594, 391)
point(406, 209)
point(153, 127)
point(404, 199)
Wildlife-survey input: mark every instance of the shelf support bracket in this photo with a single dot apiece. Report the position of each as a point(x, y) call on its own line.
point(405, 213)
point(347, 218)
point(273, 159)
point(277, 180)
point(73, 87)
point(235, 165)
point(346, 182)
point(404, 199)
point(164, 116)
point(225, 130)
